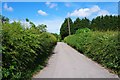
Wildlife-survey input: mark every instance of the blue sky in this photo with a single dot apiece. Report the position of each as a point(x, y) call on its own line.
point(53, 13)
point(60, 0)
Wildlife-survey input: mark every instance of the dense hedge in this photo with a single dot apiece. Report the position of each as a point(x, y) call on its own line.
point(0, 51)
point(102, 47)
point(23, 50)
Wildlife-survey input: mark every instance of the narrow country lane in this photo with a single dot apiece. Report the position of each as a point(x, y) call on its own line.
point(69, 63)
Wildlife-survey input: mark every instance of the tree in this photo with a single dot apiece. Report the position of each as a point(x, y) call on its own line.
point(64, 28)
point(42, 28)
point(100, 23)
point(32, 24)
point(85, 23)
point(104, 23)
point(95, 23)
point(4, 19)
point(77, 24)
point(27, 20)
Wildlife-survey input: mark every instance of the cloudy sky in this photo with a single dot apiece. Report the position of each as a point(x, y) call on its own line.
point(53, 13)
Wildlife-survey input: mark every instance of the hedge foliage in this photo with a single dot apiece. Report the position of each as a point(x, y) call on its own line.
point(23, 50)
point(0, 51)
point(102, 47)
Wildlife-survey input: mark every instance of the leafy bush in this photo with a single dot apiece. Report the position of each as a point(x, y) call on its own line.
point(82, 30)
point(100, 46)
point(23, 50)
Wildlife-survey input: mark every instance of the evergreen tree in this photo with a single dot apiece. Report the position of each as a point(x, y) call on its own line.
point(85, 23)
point(77, 24)
point(104, 23)
point(64, 28)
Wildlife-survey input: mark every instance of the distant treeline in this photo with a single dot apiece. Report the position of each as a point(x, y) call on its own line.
point(100, 23)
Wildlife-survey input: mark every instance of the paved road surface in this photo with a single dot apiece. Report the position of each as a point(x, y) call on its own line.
point(68, 63)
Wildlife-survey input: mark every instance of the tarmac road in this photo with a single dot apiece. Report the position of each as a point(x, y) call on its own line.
point(69, 63)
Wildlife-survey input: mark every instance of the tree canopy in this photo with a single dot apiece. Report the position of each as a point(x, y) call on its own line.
point(64, 28)
point(100, 23)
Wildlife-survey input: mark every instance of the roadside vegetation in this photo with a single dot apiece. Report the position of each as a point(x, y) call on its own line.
point(98, 39)
point(0, 50)
point(24, 50)
point(102, 47)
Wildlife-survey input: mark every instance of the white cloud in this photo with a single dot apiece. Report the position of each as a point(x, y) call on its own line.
point(51, 5)
point(87, 12)
point(95, 8)
point(7, 8)
point(81, 12)
point(42, 13)
point(103, 13)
